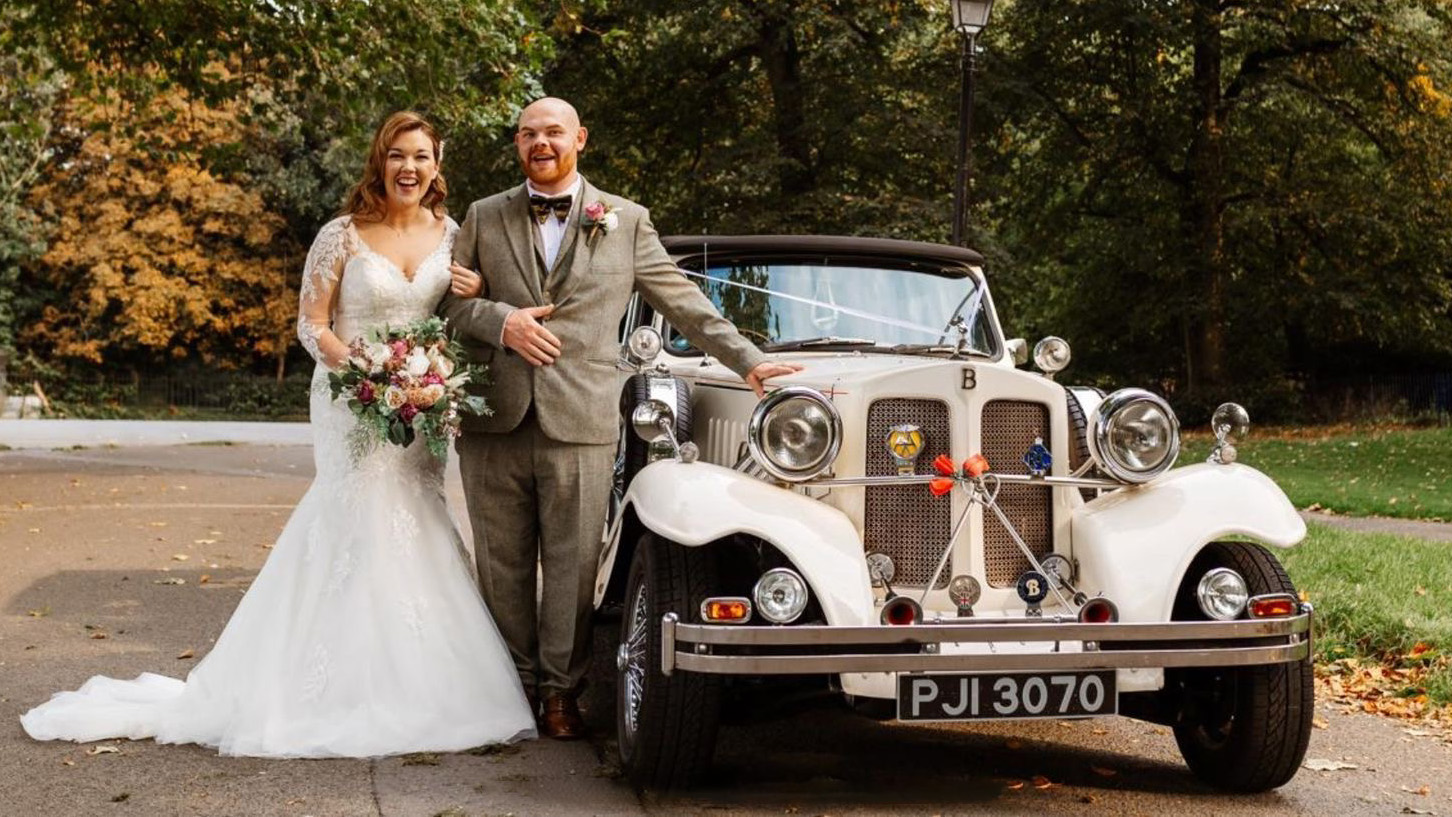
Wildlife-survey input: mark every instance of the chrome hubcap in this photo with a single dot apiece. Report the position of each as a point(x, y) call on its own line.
point(631, 661)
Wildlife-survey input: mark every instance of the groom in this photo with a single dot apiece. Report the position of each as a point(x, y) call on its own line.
point(560, 259)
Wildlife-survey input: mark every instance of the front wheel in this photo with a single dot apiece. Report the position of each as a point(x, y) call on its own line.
point(666, 724)
point(1243, 729)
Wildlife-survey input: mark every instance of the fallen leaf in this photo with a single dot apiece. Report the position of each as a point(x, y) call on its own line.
point(98, 635)
point(204, 541)
point(1100, 731)
point(22, 505)
point(1015, 785)
point(1320, 765)
point(1086, 798)
point(1041, 782)
point(1424, 790)
point(68, 762)
point(34, 530)
point(157, 524)
point(179, 557)
point(1013, 744)
point(1421, 591)
point(122, 797)
point(172, 580)
point(1410, 810)
point(185, 654)
point(205, 577)
point(1103, 771)
point(103, 750)
point(1320, 722)
point(38, 613)
point(265, 547)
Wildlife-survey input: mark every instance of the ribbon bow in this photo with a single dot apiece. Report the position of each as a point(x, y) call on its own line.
point(541, 207)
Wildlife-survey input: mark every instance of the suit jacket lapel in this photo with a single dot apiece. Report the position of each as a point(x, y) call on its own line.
point(576, 240)
point(514, 215)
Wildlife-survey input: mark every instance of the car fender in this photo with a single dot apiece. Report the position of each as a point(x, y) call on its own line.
point(1134, 545)
point(697, 503)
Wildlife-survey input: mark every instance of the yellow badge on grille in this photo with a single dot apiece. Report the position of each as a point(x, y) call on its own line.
point(905, 444)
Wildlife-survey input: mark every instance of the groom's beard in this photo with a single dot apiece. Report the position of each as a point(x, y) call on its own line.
point(550, 173)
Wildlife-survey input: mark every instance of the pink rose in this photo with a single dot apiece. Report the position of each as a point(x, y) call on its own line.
point(408, 412)
point(400, 349)
point(595, 210)
point(432, 379)
point(365, 392)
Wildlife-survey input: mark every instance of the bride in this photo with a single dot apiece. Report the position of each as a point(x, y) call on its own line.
point(364, 634)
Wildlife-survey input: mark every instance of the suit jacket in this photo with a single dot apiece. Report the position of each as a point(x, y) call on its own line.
point(576, 398)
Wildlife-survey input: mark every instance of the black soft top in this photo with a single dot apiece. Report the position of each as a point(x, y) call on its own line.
point(889, 252)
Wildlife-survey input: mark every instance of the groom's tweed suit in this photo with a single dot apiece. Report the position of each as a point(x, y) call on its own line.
point(537, 472)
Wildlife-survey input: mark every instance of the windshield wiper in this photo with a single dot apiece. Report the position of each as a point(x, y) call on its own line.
point(812, 343)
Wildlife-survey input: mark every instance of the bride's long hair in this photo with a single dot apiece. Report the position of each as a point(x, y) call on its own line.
point(365, 201)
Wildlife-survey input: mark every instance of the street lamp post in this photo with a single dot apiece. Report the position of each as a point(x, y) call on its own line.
point(970, 17)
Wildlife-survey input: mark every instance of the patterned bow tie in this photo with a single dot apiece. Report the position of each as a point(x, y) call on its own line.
point(542, 206)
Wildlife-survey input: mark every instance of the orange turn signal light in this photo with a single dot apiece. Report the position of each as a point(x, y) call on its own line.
point(1273, 605)
point(727, 610)
point(976, 465)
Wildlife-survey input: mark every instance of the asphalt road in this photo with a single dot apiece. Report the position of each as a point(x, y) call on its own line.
point(91, 544)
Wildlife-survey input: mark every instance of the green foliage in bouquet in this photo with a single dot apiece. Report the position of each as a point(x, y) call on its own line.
point(405, 384)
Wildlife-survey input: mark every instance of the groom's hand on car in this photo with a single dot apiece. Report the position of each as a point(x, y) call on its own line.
point(524, 332)
point(762, 371)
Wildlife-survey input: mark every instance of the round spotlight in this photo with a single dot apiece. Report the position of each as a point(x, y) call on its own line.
point(780, 595)
point(1051, 354)
point(1230, 423)
point(1222, 594)
point(880, 568)
point(1058, 568)
point(643, 346)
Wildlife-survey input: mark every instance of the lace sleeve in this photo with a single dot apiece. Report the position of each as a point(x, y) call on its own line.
point(323, 271)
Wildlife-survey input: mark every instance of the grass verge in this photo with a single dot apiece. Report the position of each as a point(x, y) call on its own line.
point(1379, 597)
point(1404, 472)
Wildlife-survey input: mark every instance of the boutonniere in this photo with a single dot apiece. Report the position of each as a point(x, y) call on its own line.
point(599, 217)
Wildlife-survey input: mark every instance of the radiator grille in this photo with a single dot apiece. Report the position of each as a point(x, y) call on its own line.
point(1009, 428)
point(907, 522)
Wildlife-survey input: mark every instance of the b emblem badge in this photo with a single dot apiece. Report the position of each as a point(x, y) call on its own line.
point(905, 444)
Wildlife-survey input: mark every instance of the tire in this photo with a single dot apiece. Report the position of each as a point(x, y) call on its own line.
point(666, 724)
point(634, 451)
point(1078, 442)
point(1243, 729)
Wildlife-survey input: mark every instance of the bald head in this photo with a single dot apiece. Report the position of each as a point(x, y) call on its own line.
point(549, 140)
point(553, 109)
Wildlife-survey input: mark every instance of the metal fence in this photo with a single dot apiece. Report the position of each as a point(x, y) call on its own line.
point(1424, 396)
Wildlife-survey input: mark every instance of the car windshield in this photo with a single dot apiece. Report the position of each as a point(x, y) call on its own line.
point(794, 305)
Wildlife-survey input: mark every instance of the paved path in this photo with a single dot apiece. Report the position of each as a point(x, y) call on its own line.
point(89, 540)
point(108, 433)
point(1434, 531)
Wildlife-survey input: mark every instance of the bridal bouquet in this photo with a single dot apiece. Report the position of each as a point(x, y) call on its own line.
point(407, 383)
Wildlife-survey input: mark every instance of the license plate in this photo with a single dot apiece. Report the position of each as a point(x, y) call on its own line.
point(1006, 695)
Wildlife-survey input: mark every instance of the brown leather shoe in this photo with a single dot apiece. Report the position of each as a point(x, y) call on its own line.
point(561, 719)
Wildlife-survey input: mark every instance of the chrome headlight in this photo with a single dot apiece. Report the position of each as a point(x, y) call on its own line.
point(795, 433)
point(1222, 594)
point(780, 595)
point(1134, 436)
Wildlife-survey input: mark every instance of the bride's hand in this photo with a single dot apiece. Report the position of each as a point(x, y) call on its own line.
point(465, 282)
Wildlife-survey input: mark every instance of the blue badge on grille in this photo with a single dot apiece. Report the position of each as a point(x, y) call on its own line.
point(1038, 459)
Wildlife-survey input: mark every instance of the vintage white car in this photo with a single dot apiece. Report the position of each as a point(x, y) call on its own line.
point(931, 530)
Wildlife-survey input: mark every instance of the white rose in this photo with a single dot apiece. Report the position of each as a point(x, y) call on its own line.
point(378, 354)
point(417, 363)
point(394, 397)
point(443, 366)
point(433, 394)
point(610, 222)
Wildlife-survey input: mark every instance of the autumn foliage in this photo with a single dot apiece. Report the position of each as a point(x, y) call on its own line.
point(153, 254)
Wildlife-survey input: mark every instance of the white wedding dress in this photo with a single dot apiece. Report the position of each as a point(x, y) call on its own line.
point(364, 634)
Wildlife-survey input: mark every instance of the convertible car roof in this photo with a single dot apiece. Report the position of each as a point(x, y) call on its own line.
point(834, 246)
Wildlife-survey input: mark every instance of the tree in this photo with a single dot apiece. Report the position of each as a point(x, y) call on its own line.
point(154, 256)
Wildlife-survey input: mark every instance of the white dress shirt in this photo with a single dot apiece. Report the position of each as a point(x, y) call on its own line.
point(552, 231)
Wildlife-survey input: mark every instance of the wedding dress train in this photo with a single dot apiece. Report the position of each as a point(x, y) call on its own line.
point(364, 633)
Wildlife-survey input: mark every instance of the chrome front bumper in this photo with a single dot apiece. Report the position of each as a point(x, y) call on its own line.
point(725, 649)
